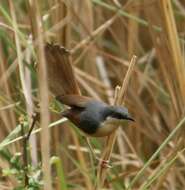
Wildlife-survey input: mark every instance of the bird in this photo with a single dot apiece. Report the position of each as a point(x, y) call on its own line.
point(93, 117)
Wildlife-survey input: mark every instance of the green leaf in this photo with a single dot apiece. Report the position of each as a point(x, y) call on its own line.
point(60, 172)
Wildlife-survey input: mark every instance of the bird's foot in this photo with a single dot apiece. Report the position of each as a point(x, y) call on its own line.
point(104, 163)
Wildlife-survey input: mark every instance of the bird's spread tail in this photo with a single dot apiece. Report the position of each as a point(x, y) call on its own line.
point(61, 76)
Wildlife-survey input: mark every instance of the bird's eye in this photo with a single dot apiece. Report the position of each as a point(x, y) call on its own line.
point(119, 116)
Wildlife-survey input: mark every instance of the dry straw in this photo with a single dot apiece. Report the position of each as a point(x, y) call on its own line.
point(118, 100)
point(43, 92)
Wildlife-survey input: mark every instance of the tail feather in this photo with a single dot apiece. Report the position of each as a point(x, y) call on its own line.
point(61, 76)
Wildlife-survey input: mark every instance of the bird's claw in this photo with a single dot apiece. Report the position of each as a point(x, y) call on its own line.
point(104, 163)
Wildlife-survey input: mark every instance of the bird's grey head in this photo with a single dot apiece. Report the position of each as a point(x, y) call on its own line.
point(119, 113)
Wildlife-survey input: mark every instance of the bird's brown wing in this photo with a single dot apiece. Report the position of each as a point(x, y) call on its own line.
point(74, 100)
point(77, 104)
point(61, 76)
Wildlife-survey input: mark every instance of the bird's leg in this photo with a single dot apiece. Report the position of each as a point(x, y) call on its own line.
point(105, 164)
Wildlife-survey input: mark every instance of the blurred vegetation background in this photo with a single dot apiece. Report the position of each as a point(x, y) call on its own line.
point(102, 36)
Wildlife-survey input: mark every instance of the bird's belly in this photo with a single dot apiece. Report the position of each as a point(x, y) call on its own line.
point(105, 130)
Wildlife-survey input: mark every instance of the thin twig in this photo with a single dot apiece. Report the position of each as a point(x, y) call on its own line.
point(35, 117)
point(25, 158)
point(25, 145)
point(56, 123)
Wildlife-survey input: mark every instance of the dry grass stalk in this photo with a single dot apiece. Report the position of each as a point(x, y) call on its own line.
point(59, 14)
point(119, 100)
point(8, 116)
point(25, 81)
point(104, 75)
point(133, 36)
point(88, 88)
point(157, 86)
point(87, 25)
point(171, 63)
point(162, 179)
point(174, 45)
point(19, 52)
point(96, 32)
point(80, 156)
point(167, 69)
point(90, 78)
point(44, 94)
point(61, 21)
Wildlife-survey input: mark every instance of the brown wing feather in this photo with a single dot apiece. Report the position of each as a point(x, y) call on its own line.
point(73, 115)
point(74, 100)
point(61, 76)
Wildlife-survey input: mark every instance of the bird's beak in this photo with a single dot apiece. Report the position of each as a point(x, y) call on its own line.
point(128, 117)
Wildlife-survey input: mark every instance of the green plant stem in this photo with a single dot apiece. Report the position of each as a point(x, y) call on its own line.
point(60, 173)
point(160, 171)
point(166, 141)
point(125, 14)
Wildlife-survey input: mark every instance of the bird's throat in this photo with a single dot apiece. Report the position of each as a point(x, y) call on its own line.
point(108, 126)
